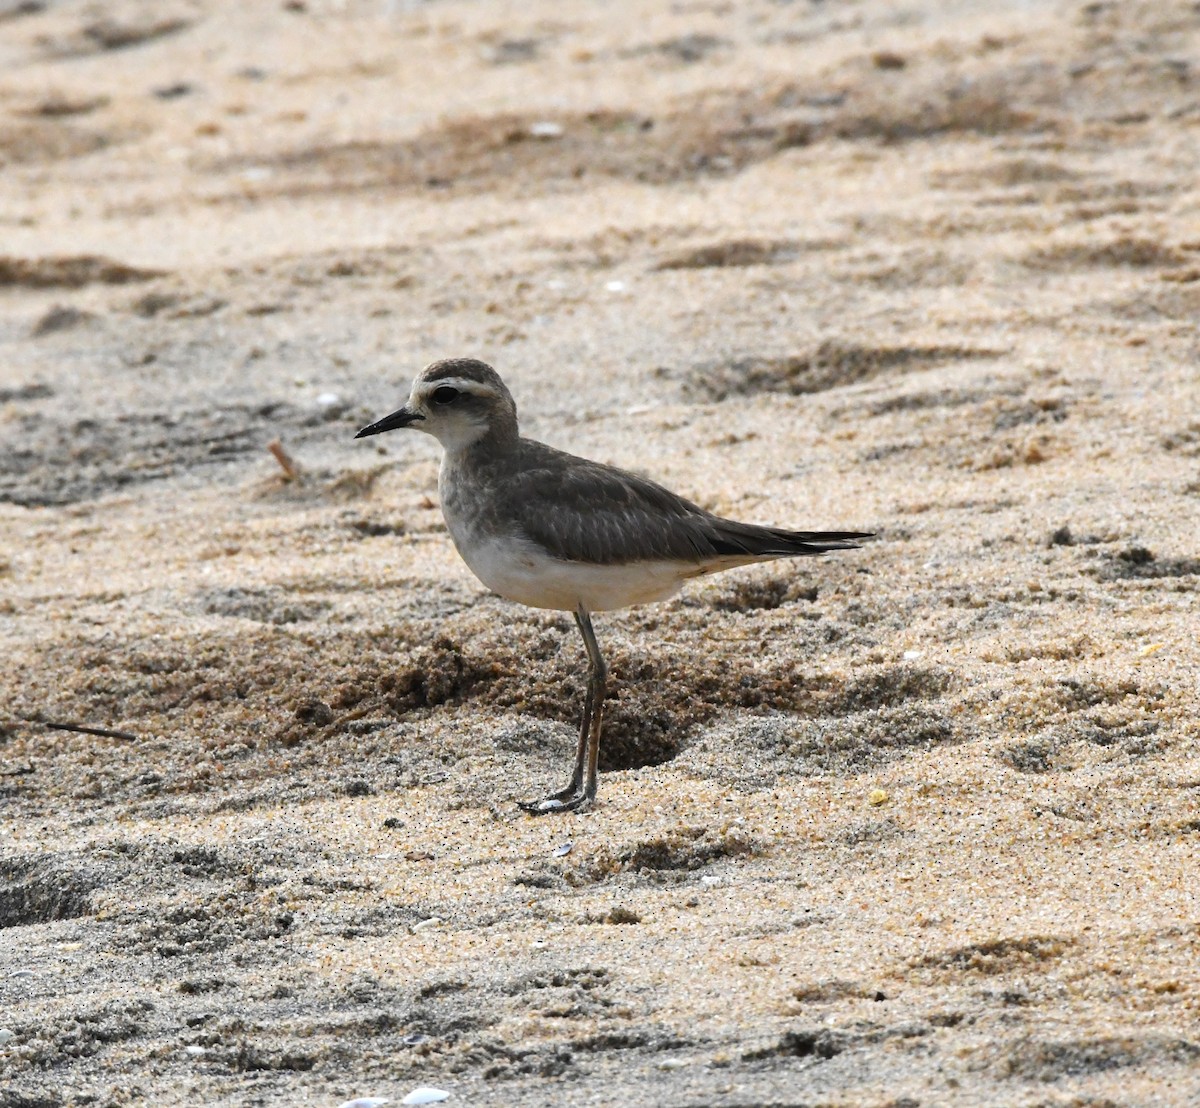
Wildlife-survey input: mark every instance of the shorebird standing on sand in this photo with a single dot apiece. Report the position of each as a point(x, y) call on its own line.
point(550, 530)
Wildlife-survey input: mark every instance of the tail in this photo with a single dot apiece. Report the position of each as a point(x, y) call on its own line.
point(746, 540)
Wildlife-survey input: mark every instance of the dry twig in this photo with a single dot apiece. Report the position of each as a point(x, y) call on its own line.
point(83, 729)
point(289, 465)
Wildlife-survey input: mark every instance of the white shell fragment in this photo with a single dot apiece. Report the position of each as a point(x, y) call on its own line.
point(562, 850)
point(545, 129)
point(6, 1036)
point(366, 1102)
point(426, 1095)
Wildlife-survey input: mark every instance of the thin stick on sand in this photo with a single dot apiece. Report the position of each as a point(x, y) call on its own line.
point(289, 465)
point(84, 729)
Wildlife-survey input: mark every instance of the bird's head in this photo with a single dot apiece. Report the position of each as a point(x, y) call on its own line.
point(459, 401)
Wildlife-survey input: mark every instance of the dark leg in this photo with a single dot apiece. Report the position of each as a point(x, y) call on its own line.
point(582, 789)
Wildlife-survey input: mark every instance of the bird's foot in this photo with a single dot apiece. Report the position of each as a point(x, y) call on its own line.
point(569, 800)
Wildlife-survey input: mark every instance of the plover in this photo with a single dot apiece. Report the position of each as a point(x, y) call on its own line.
point(550, 530)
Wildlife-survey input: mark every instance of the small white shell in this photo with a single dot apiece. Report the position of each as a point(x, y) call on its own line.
point(426, 1095)
point(6, 1036)
point(366, 1102)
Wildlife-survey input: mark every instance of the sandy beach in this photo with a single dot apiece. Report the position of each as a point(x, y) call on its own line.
point(917, 824)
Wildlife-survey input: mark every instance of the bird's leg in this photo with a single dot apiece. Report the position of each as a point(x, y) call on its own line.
point(589, 707)
point(593, 710)
point(582, 788)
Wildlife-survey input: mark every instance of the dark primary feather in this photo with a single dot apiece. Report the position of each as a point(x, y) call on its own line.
point(583, 511)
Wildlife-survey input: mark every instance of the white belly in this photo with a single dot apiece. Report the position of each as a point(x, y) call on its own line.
point(523, 572)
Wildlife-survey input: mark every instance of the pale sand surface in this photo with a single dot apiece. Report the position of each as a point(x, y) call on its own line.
point(916, 824)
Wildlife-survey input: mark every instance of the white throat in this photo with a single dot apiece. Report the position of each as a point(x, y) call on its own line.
point(456, 433)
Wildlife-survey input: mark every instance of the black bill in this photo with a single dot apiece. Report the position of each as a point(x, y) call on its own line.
point(401, 418)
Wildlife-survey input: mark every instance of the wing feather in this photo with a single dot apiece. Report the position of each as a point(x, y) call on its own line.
point(583, 511)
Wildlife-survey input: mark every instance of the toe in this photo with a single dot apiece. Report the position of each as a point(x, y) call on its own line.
point(551, 804)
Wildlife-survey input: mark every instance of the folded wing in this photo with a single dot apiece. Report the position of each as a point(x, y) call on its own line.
point(583, 511)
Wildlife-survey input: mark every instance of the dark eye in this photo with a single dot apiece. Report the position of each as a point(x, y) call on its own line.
point(445, 395)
